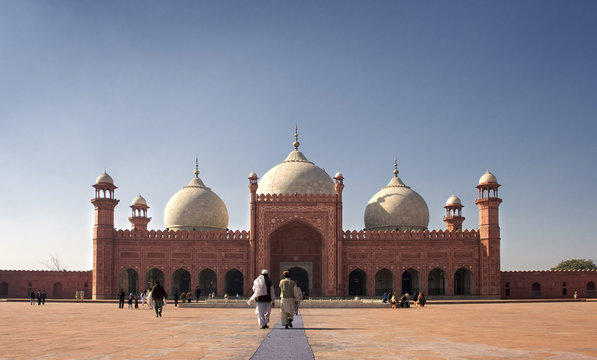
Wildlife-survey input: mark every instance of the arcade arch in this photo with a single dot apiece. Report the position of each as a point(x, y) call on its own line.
point(384, 282)
point(536, 290)
point(181, 281)
point(463, 282)
point(437, 282)
point(234, 283)
point(208, 282)
point(297, 244)
point(128, 280)
point(301, 277)
point(152, 276)
point(590, 289)
point(3, 289)
point(57, 291)
point(357, 283)
point(411, 282)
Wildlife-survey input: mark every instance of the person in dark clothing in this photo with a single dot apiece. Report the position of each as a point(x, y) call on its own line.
point(43, 297)
point(176, 297)
point(197, 293)
point(32, 297)
point(121, 299)
point(38, 297)
point(158, 294)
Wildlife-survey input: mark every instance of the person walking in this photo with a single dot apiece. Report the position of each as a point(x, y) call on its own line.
point(176, 296)
point(32, 297)
point(38, 297)
point(264, 294)
point(197, 293)
point(121, 299)
point(158, 294)
point(289, 296)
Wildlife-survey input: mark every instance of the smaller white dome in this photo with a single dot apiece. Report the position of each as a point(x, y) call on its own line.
point(453, 200)
point(252, 175)
point(488, 178)
point(139, 200)
point(338, 175)
point(104, 178)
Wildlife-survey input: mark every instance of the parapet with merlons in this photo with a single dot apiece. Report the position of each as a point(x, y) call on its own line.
point(296, 197)
point(409, 235)
point(222, 235)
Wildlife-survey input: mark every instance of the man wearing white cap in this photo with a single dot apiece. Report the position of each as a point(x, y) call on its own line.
point(264, 295)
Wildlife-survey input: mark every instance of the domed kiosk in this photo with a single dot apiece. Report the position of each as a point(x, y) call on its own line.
point(396, 207)
point(196, 207)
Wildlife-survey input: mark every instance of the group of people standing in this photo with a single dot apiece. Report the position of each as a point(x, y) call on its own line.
point(155, 298)
point(265, 297)
point(40, 296)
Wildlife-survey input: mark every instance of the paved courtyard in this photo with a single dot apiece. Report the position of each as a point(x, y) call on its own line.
point(467, 331)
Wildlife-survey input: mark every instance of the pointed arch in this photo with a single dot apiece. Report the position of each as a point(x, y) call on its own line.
point(57, 291)
point(234, 283)
point(463, 282)
point(181, 281)
point(384, 281)
point(536, 290)
point(208, 282)
point(3, 289)
point(152, 276)
point(357, 283)
point(129, 281)
point(437, 282)
point(411, 282)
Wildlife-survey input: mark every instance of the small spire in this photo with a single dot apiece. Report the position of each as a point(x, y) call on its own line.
point(296, 143)
point(395, 166)
point(196, 167)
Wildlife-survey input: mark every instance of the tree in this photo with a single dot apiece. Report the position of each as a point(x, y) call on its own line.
point(55, 263)
point(576, 264)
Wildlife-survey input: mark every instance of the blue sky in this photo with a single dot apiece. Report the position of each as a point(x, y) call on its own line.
point(450, 88)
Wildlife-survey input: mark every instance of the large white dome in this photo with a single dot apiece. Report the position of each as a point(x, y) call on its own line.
point(296, 174)
point(196, 207)
point(396, 207)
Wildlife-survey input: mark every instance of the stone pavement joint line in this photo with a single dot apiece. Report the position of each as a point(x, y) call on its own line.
point(283, 343)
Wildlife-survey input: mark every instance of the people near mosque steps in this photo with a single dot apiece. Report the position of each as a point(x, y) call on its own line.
point(77, 295)
point(176, 297)
point(394, 301)
point(264, 294)
point(289, 296)
point(142, 296)
point(121, 299)
point(404, 301)
point(197, 293)
point(130, 300)
point(421, 300)
point(384, 297)
point(149, 299)
point(158, 294)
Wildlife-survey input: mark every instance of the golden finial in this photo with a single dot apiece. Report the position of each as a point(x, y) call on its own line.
point(395, 166)
point(296, 143)
point(196, 167)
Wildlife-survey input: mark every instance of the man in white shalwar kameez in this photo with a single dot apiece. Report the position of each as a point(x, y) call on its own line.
point(265, 296)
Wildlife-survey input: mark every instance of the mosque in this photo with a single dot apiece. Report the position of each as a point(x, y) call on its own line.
point(296, 224)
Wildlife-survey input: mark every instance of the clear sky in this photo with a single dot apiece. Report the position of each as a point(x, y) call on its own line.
point(452, 88)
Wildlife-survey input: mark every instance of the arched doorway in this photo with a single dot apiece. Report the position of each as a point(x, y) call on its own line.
point(463, 282)
point(181, 281)
point(411, 282)
point(536, 290)
point(357, 283)
point(57, 291)
point(301, 277)
point(208, 282)
point(3, 289)
point(384, 281)
point(152, 276)
point(297, 244)
point(437, 282)
point(129, 281)
point(590, 289)
point(234, 283)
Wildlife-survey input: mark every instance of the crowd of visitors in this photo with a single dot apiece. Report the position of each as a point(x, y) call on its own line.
point(403, 301)
point(39, 296)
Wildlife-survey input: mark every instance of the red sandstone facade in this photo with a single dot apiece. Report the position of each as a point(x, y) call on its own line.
point(303, 233)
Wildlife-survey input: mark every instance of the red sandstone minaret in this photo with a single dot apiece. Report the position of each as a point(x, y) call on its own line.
point(139, 219)
point(453, 218)
point(253, 227)
point(103, 232)
point(489, 235)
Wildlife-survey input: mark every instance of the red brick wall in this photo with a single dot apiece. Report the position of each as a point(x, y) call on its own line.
point(57, 284)
point(548, 284)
